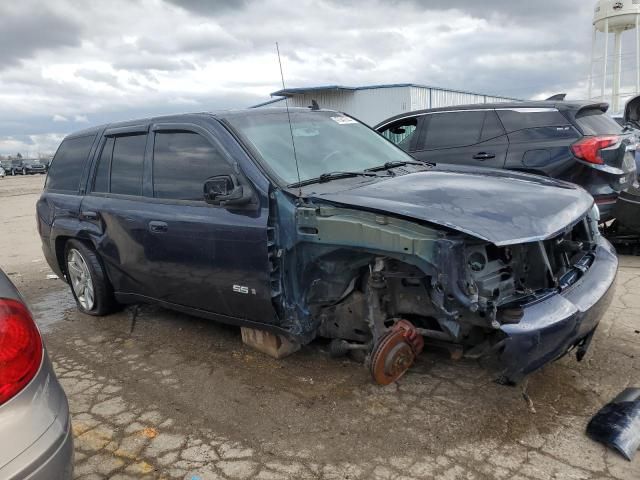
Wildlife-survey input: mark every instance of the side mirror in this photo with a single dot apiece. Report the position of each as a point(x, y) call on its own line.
point(224, 190)
point(398, 130)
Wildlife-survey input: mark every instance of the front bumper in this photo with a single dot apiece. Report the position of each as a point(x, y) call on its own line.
point(551, 327)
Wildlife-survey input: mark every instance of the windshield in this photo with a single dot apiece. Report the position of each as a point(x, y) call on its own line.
point(324, 141)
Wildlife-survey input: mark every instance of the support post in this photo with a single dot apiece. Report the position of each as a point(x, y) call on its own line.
point(617, 66)
point(637, 54)
point(593, 51)
point(605, 58)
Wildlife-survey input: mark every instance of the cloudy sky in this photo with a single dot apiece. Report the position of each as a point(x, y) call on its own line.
point(69, 64)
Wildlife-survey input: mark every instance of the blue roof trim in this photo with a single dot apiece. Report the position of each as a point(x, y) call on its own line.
point(298, 91)
point(268, 102)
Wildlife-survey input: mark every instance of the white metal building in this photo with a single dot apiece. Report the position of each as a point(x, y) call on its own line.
point(374, 103)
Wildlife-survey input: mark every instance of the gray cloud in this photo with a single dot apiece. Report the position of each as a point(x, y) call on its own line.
point(210, 7)
point(25, 32)
point(98, 77)
point(91, 61)
point(527, 10)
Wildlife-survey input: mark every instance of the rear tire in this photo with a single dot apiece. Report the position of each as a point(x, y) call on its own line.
point(87, 278)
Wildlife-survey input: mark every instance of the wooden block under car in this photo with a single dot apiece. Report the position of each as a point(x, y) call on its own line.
point(275, 346)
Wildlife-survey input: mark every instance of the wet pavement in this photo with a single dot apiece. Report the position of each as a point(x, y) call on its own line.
point(157, 394)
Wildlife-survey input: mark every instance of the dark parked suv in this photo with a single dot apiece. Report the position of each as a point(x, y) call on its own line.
point(572, 141)
point(13, 166)
point(31, 167)
point(308, 223)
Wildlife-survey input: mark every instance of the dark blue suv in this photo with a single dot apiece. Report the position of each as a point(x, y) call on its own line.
point(305, 223)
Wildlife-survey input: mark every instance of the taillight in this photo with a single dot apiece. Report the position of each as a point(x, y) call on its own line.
point(20, 348)
point(588, 149)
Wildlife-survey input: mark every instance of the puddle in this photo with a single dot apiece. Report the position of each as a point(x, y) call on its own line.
point(51, 308)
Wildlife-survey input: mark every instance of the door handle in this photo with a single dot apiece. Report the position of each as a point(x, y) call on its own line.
point(158, 227)
point(484, 155)
point(89, 215)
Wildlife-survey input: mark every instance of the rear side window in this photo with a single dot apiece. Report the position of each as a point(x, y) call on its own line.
point(521, 118)
point(182, 162)
point(68, 163)
point(594, 121)
point(127, 164)
point(453, 129)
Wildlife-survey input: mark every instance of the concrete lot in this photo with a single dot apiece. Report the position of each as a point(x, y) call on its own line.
point(172, 396)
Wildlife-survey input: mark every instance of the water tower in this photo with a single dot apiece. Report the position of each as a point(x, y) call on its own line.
point(615, 16)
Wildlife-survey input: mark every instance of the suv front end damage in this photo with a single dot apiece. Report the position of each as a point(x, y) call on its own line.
point(384, 285)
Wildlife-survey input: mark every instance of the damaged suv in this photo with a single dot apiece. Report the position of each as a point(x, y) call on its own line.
point(307, 223)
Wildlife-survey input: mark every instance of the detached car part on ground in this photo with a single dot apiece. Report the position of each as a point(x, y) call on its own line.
point(355, 241)
point(617, 424)
point(572, 141)
point(35, 426)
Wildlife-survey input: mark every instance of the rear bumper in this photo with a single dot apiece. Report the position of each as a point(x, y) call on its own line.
point(605, 183)
point(56, 462)
point(551, 327)
point(50, 257)
point(627, 209)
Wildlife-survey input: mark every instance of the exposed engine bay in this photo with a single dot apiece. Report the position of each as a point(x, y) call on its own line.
point(387, 287)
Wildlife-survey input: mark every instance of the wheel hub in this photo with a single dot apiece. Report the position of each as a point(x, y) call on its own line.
point(395, 353)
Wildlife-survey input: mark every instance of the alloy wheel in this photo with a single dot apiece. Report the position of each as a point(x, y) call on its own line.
point(80, 279)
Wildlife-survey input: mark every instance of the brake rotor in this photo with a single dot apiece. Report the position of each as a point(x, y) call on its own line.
point(391, 358)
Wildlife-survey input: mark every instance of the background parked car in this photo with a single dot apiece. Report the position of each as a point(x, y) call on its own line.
point(573, 141)
point(31, 167)
point(2, 172)
point(35, 426)
point(12, 166)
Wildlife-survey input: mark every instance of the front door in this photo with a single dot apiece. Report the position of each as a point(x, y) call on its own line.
point(200, 255)
point(463, 138)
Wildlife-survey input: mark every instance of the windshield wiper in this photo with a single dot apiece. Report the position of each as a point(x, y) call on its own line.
point(389, 165)
point(327, 177)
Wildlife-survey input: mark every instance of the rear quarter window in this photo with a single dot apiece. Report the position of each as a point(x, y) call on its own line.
point(594, 121)
point(68, 163)
point(520, 118)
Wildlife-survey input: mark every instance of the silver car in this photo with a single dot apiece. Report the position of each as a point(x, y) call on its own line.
point(35, 427)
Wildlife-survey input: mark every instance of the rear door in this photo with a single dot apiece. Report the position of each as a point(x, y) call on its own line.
point(115, 207)
point(539, 140)
point(470, 137)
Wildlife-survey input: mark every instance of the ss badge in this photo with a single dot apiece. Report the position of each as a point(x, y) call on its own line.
point(241, 289)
